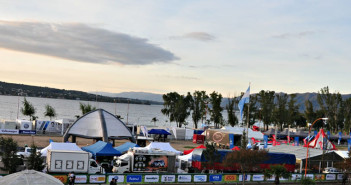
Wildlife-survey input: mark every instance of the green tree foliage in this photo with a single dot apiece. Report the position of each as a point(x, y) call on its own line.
point(198, 106)
point(28, 109)
point(347, 113)
point(154, 119)
point(216, 110)
point(253, 111)
point(310, 114)
point(212, 156)
point(277, 171)
point(293, 110)
point(85, 108)
point(176, 107)
point(345, 165)
point(280, 113)
point(232, 119)
point(266, 101)
point(8, 150)
point(307, 181)
point(35, 160)
point(49, 111)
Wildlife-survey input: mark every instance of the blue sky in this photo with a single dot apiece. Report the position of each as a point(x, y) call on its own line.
point(163, 46)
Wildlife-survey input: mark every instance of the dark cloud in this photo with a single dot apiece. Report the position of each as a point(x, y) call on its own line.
point(294, 35)
point(80, 42)
point(201, 36)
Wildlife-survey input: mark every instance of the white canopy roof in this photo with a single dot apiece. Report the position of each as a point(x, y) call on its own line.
point(29, 177)
point(239, 131)
point(60, 146)
point(187, 157)
point(162, 146)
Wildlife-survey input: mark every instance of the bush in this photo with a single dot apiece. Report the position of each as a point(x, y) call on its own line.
point(307, 181)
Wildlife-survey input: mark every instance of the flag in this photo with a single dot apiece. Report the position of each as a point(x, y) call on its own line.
point(174, 129)
point(244, 99)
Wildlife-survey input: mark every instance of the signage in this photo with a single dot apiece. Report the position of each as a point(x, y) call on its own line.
point(62, 178)
point(184, 178)
point(319, 177)
point(9, 131)
point(273, 178)
point(97, 179)
point(168, 178)
point(120, 178)
point(200, 178)
point(230, 178)
point(296, 142)
point(231, 140)
point(81, 179)
point(32, 132)
point(330, 177)
point(259, 177)
point(133, 178)
point(296, 177)
point(339, 177)
point(309, 176)
point(247, 177)
point(151, 178)
point(215, 178)
point(265, 138)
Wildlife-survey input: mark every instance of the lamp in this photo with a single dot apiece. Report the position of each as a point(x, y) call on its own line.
point(309, 132)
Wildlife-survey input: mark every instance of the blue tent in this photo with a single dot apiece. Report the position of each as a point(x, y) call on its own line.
point(159, 131)
point(125, 147)
point(101, 148)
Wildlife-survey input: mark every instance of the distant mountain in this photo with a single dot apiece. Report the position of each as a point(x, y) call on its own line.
point(135, 95)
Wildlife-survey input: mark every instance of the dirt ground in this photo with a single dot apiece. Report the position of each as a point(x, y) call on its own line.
point(43, 141)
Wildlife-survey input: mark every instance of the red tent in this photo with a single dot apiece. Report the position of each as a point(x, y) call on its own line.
point(318, 142)
point(255, 128)
point(235, 148)
point(191, 150)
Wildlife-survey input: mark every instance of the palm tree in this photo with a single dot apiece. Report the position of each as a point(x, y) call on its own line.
point(28, 109)
point(277, 171)
point(85, 108)
point(50, 111)
point(154, 119)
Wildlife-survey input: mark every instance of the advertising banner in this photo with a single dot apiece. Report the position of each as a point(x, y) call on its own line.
point(231, 140)
point(247, 177)
point(151, 178)
point(32, 132)
point(62, 178)
point(265, 138)
point(97, 179)
point(258, 177)
point(134, 178)
point(81, 179)
point(215, 178)
point(309, 176)
point(296, 142)
point(273, 178)
point(296, 177)
point(319, 177)
point(230, 178)
point(150, 163)
point(184, 178)
point(330, 177)
point(200, 178)
point(9, 131)
point(168, 178)
point(339, 177)
point(120, 178)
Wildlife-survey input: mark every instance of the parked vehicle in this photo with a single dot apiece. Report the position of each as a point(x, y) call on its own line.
point(25, 153)
point(61, 161)
point(144, 160)
point(331, 170)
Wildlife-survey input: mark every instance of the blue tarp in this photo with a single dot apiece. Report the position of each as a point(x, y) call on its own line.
point(101, 148)
point(159, 131)
point(125, 147)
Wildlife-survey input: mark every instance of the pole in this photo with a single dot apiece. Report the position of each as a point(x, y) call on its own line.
point(248, 116)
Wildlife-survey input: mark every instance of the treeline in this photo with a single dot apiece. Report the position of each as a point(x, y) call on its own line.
point(46, 92)
point(279, 109)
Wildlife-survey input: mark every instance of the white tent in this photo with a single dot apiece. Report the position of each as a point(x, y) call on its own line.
point(162, 146)
point(29, 177)
point(239, 131)
point(187, 157)
point(60, 146)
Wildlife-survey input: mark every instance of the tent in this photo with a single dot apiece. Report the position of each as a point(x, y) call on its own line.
point(187, 157)
point(125, 147)
point(60, 146)
point(29, 177)
point(162, 146)
point(239, 131)
point(159, 131)
point(191, 150)
point(101, 148)
point(321, 141)
point(236, 148)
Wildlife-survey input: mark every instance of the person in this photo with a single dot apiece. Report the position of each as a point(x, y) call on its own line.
point(71, 178)
point(113, 181)
point(344, 178)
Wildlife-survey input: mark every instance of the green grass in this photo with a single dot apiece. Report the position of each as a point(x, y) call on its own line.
point(189, 147)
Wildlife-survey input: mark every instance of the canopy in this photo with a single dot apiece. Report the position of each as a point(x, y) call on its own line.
point(29, 177)
point(101, 148)
point(60, 146)
point(162, 146)
point(236, 148)
point(191, 150)
point(159, 131)
point(239, 131)
point(125, 147)
point(187, 157)
point(321, 141)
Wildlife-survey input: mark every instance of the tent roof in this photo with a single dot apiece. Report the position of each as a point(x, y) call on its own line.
point(299, 151)
point(191, 150)
point(239, 131)
point(159, 131)
point(60, 146)
point(101, 148)
point(29, 177)
point(125, 147)
point(318, 141)
point(99, 124)
point(162, 146)
point(187, 157)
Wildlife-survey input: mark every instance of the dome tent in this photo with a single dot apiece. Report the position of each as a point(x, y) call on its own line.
point(99, 124)
point(29, 177)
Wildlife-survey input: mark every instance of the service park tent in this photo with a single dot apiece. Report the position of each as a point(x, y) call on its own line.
point(60, 146)
point(29, 177)
point(159, 132)
point(239, 131)
point(191, 150)
point(162, 146)
point(101, 148)
point(125, 147)
point(320, 141)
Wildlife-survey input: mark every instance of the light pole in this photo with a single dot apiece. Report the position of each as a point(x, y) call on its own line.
point(309, 132)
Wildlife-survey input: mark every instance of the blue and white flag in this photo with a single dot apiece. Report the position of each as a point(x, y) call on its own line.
point(244, 99)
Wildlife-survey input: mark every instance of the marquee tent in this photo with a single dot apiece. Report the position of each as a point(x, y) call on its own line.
point(60, 146)
point(239, 131)
point(162, 146)
point(29, 177)
point(159, 131)
point(125, 147)
point(191, 150)
point(101, 148)
point(321, 142)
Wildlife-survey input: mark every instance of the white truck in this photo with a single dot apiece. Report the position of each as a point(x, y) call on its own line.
point(144, 160)
point(61, 161)
point(25, 153)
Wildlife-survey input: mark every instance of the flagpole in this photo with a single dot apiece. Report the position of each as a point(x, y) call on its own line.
point(248, 116)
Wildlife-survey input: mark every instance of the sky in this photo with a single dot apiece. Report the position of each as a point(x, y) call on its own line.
point(159, 46)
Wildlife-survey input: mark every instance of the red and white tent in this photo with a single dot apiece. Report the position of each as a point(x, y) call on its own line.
point(318, 142)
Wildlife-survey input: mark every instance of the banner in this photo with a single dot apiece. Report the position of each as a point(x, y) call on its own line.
point(319, 177)
point(174, 129)
point(330, 177)
point(296, 142)
point(97, 179)
point(81, 179)
point(151, 178)
point(230, 178)
point(133, 178)
point(339, 140)
point(259, 177)
point(32, 132)
point(200, 178)
point(328, 134)
point(215, 178)
point(265, 138)
point(62, 178)
point(296, 177)
point(9, 131)
point(349, 144)
point(274, 140)
point(231, 140)
point(184, 178)
point(168, 178)
point(120, 178)
point(247, 177)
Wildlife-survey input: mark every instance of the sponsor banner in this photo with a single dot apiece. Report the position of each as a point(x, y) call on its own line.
point(97, 179)
point(9, 131)
point(62, 178)
point(133, 178)
point(258, 177)
point(339, 177)
point(215, 178)
point(120, 178)
point(319, 177)
point(81, 179)
point(309, 176)
point(273, 178)
point(32, 132)
point(247, 177)
point(230, 178)
point(151, 178)
point(200, 178)
point(330, 177)
point(184, 178)
point(296, 177)
point(168, 178)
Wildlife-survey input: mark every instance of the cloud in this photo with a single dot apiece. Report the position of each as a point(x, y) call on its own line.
point(200, 36)
point(294, 35)
point(80, 42)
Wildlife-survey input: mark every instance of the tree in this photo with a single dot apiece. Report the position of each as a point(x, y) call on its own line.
point(216, 110)
point(28, 109)
point(347, 111)
point(280, 113)
point(50, 111)
point(277, 171)
point(293, 110)
point(232, 119)
point(85, 108)
point(176, 107)
point(310, 114)
point(154, 119)
point(253, 111)
point(197, 106)
point(211, 155)
point(266, 101)
point(35, 160)
point(8, 150)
